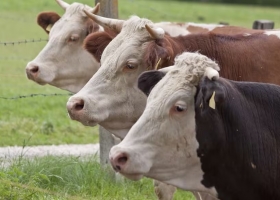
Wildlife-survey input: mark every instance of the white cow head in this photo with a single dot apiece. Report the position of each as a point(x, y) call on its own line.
point(111, 98)
point(162, 144)
point(64, 62)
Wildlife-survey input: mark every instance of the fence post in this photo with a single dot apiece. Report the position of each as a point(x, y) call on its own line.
point(108, 8)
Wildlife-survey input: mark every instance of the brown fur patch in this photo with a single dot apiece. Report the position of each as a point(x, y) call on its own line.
point(95, 43)
point(160, 49)
point(196, 29)
point(44, 19)
point(234, 30)
point(91, 26)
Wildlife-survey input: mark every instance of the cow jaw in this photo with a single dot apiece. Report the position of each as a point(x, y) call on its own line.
point(63, 62)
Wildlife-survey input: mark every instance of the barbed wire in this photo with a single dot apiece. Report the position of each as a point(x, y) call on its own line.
point(34, 95)
point(23, 41)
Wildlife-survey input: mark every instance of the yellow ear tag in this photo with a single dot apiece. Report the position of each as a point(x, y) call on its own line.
point(156, 67)
point(49, 27)
point(212, 103)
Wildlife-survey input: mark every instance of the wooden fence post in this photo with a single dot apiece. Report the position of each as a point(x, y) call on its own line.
point(108, 8)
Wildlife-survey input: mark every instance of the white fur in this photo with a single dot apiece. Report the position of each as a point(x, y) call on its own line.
point(246, 34)
point(273, 32)
point(210, 27)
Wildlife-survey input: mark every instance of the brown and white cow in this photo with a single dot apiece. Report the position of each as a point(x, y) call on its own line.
point(111, 97)
point(58, 62)
point(198, 132)
point(63, 62)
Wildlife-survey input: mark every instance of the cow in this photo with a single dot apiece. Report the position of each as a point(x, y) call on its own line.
point(140, 46)
point(63, 62)
point(206, 133)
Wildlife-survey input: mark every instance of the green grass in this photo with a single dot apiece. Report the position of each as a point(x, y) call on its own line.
point(70, 178)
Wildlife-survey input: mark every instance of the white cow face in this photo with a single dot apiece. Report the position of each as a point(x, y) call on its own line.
point(63, 62)
point(162, 144)
point(111, 97)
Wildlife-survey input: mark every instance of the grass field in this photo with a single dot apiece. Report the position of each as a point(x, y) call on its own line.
point(70, 178)
point(44, 120)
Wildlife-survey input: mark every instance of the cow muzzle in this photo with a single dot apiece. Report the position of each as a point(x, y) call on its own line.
point(32, 71)
point(76, 110)
point(121, 162)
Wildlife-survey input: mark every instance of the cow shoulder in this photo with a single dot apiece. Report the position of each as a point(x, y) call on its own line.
point(47, 19)
point(147, 80)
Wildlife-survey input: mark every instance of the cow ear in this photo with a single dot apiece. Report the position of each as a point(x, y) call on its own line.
point(160, 53)
point(95, 43)
point(47, 19)
point(156, 57)
point(147, 80)
point(210, 94)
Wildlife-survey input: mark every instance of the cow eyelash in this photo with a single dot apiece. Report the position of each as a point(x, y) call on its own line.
point(179, 108)
point(73, 38)
point(130, 66)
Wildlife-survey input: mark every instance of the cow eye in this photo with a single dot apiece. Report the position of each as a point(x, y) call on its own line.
point(73, 38)
point(180, 108)
point(130, 66)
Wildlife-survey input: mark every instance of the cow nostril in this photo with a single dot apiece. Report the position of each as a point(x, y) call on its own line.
point(118, 168)
point(79, 105)
point(34, 69)
point(122, 160)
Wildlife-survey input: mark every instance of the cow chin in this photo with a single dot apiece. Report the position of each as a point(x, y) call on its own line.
point(134, 177)
point(88, 123)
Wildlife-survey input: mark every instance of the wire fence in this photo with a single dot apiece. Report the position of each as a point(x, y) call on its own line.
point(34, 95)
point(23, 41)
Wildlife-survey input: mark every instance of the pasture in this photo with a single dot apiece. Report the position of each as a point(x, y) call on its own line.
point(43, 119)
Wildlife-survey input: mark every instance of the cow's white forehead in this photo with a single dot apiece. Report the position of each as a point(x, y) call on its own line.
point(76, 9)
point(181, 74)
point(133, 34)
point(71, 20)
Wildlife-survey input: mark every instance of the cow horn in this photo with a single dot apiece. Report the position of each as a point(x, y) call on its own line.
point(114, 24)
point(156, 33)
point(95, 9)
point(63, 4)
point(211, 73)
